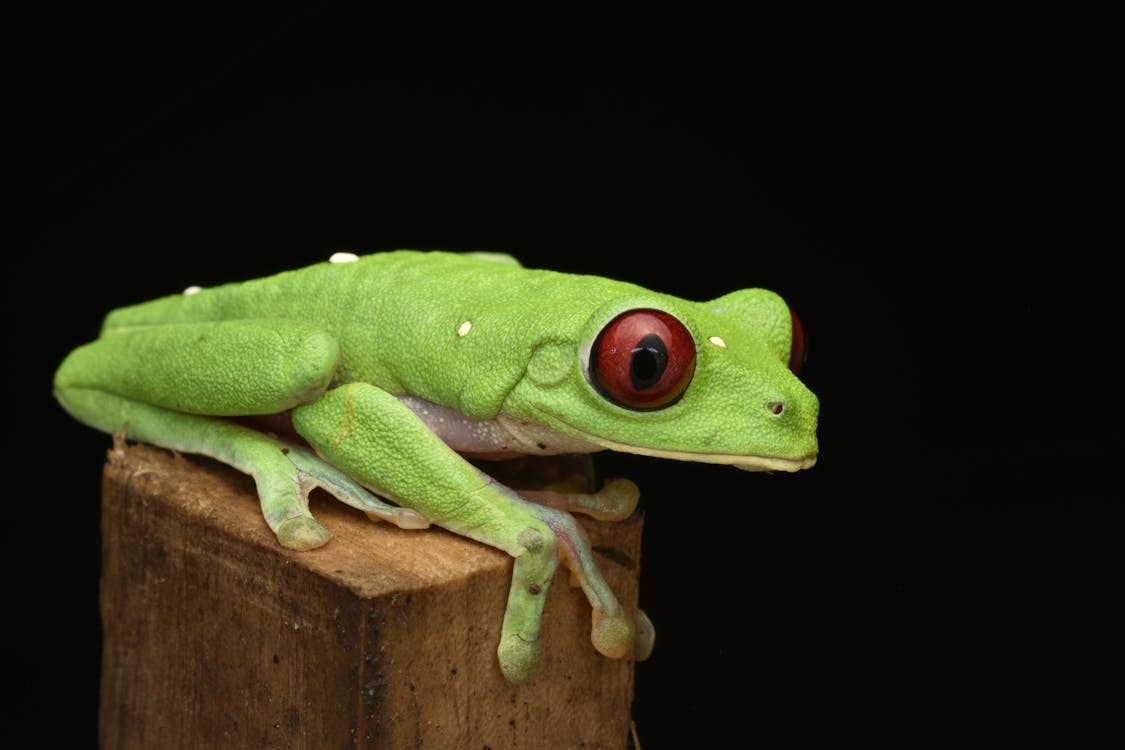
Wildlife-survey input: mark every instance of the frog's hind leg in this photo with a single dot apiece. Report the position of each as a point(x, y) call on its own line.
point(281, 491)
point(284, 474)
point(173, 385)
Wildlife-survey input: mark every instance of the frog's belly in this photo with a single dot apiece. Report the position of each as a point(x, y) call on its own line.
point(494, 439)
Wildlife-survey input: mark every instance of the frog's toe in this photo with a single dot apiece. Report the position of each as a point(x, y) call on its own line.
point(404, 518)
point(645, 637)
point(301, 532)
point(612, 635)
point(518, 658)
point(617, 499)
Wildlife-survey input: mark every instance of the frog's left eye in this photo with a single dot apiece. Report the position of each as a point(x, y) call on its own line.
point(643, 359)
point(799, 349)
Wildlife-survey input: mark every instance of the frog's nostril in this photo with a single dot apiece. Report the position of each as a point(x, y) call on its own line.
point(776, 407)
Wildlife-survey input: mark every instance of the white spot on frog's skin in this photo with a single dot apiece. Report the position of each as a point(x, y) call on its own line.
point(464, 328)
point(718, 341)
point(192, 290)
point(343, 258)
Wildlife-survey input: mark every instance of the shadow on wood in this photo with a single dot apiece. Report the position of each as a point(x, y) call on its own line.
point(216, 636)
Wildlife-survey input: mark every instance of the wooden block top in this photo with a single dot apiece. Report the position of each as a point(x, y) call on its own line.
point(383, 637)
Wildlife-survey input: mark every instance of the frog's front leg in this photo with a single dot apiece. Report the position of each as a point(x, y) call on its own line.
point(372, 436)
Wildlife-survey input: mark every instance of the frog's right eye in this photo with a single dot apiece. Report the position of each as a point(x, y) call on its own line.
point(643, 359)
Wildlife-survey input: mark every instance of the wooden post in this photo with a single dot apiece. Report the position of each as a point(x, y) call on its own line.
point(216, 636)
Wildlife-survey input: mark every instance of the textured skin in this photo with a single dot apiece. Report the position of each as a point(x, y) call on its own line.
point(356, 350)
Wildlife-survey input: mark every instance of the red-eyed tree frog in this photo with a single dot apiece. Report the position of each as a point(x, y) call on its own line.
point(397, 369)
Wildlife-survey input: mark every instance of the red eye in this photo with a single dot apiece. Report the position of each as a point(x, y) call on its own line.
point(799, 349)
point(643, 359)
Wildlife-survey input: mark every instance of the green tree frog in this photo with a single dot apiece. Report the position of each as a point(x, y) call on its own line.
point(398, 369)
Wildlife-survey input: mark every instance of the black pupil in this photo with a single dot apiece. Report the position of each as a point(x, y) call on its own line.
point(650, 358)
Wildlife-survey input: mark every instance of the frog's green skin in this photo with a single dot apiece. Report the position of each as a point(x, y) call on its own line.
point(393, 366)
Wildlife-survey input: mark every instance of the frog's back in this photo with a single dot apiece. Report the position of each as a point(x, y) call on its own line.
point(394, 291)
point(322, 291)
point(402, 318)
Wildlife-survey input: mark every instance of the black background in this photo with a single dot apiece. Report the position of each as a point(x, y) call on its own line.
point(921, 185)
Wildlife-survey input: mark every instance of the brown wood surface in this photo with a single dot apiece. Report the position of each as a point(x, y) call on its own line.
point(217, 637)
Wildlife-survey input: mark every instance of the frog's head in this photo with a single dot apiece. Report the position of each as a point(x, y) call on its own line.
point(656, 375)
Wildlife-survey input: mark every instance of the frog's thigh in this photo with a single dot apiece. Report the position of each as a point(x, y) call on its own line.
point(372, 436)
point(144, 380)
point(217, 368)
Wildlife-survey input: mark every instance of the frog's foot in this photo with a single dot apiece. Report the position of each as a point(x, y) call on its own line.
point(301, 532)
point(286, 474)
point(645, 638)
point(315, 472)
point(615, 501)
point(613, 631)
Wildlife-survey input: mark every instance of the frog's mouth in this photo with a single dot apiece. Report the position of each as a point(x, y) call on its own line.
point(739, 461)
point(745, 461)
